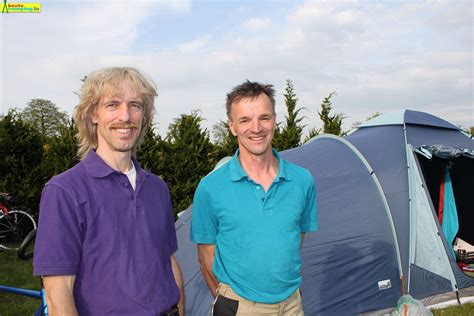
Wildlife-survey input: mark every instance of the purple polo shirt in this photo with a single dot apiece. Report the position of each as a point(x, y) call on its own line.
point(116, 241)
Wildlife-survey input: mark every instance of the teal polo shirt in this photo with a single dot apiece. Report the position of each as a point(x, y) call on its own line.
point(257, 234)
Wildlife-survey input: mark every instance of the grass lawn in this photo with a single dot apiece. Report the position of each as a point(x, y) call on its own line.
point(18, 273)
point(463, 310)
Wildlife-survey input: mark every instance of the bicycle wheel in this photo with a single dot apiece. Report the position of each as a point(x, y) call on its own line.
point(14, 226)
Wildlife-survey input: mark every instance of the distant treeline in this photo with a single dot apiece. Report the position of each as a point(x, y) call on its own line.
point(39, 142)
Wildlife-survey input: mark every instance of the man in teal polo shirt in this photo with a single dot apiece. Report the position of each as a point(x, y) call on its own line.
point(251, 214)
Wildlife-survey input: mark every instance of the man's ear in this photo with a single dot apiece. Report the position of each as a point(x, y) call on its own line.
point(231, 127)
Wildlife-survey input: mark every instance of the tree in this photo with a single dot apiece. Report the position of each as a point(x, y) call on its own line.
point(60, 152)
point(150, 154)
point(290, 135)
point(45, 116)
point(371, 116)
point(471, 129)
point(20, 161)
point(225, 143)
point(188, 156)
point(331, 123)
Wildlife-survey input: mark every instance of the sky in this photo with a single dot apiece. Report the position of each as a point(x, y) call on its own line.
point(378, 56)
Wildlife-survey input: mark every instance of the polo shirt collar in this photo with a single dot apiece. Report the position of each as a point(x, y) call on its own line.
point(237, 172)
point(97, 167)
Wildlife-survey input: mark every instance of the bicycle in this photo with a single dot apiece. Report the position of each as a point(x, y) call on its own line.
point(14, 225)
point(24, 252)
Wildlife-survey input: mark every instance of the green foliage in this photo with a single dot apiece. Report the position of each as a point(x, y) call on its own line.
point(332, 123)
point(187, 156)
point(313, 132)
point(290, 135)
point(459, 310)
point(371, 116)
point(20, 160)
point(45, 116)
point(60, 151)
point(471, 130)
point(226, 143)
point(149, 154)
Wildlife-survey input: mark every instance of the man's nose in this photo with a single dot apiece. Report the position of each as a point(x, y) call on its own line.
point(255, 126)
point(124, 112)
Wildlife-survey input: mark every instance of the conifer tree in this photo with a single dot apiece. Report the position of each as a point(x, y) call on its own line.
point(289, 136)
point(60, 151)
point(332, 123)
point(225, 143)
point(187, 157)
point(149, 153)
point(20, 161)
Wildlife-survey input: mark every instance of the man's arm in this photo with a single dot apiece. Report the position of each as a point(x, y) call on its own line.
point(59, 294)
point(178, 276)
point(206, 260)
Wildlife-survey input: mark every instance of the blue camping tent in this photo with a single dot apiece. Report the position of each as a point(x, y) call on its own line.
point(379, 236)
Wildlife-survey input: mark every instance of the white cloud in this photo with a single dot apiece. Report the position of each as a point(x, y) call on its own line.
point(194, 45)
point(255, 24)
point(379, 57)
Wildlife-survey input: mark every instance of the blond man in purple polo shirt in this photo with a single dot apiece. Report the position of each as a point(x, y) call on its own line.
point(106, 239)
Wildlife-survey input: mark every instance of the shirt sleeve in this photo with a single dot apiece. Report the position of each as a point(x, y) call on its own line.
point(204, 219)
point(59, 235)
point(171, 230)
point(309, 220)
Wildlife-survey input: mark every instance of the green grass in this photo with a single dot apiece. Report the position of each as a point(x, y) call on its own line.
point(18, 273)
point(463, 310)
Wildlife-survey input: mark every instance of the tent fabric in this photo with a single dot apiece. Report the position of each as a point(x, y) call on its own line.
point(427, 250)
point(348, 253)
point(379, 236)
point(450, 222)
point(408, 117)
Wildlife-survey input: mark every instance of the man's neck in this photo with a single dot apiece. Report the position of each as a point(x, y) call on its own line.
point(120, 161)
point(262, 168)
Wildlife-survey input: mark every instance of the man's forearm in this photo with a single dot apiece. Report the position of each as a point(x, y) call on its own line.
point(178, 276)
point(206, 260)
point(59, 295)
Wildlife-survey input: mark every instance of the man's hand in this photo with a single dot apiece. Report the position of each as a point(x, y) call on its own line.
point(59, 295)
point(206, 260)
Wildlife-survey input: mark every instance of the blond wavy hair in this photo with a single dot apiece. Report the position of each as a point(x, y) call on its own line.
point(97, 85)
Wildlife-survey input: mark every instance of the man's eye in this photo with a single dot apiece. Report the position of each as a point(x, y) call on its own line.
point(137, 105)
point(110, 105)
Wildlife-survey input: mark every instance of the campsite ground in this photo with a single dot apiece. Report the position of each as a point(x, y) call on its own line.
point(14, 272)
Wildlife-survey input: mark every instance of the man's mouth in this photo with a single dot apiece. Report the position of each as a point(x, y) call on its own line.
point(123, 130)
point(257, 138)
